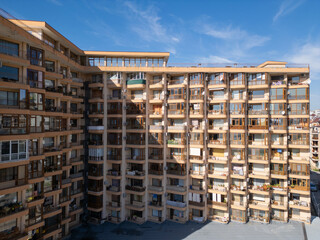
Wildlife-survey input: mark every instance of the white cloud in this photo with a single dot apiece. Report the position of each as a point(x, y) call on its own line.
point(55, 2)
point(235, 35)
point(214, 59)
point(286, 7)
point(308, 53)
point(146, 23)
point(235, 42)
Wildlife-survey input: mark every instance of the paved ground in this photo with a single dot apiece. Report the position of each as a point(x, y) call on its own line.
point(191, 230)
point(315, 196)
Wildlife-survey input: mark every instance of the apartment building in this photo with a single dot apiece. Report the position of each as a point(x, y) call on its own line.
point(162, 142)
point(41, 132)
point(314, 143)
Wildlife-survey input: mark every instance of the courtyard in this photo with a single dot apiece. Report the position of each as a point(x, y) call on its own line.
point(191, 230)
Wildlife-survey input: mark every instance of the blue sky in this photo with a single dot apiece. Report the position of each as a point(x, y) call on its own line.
point(192, 31)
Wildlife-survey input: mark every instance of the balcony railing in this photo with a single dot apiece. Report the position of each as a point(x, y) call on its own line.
point(176, 204)
point(135, 188)
point(176, 172)
point(176, 188)
point(113, 188)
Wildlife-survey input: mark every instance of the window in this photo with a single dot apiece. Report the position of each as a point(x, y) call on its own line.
point(236, 108)
point(8, 174)
point(35, 78)
point(96, 61)
point(176, 108)
point(9, 98)
point(9, 73)
point(277, 123)
point(196, 79)
point(196, 93)
point(237, 123)
point(298, 108)
point(216, 94)
point(135, 75)
point(237, 79)
point(35, 101)
point(298, 94)
point(114, 62)
point(299, 123)
point(257, 79)
point(237, 94)
point(36, 56)
point(14, 150)
point(35, 169)
point(277, 108)
point(277, 93)
point(13, 124)
point(216, 78)
point(177, 93)
point(35, 215)
point(48, 40)
point(49, 66)
point(9, 48)
point(256, 94)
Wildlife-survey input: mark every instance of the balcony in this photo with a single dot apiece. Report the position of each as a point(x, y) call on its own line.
point(12, 208)
point(176, 204)
point(303, 205)
point(112, 172)
point(176, 81)
point(238, 188)
point(299, 188)
point(261, 204)
point(95, 128)
point(155, 188)
point(136, 205)
point(262, 188)
point(218, 173)
point(155, 172)
point(177, 172)
point(13, 234)
point(114, 157)
point(177, 128)
point(135, 188)
point(76, 175)
point(197, 204)
point(216, 112)
point(197, 173)
point(113, 204)
point(217, 188)
point(176, 142)
point(176, 188)
point(113, 188)
point(135, 173)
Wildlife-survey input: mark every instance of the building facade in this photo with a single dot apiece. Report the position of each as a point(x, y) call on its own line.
point(160, 142)
point(41, 134)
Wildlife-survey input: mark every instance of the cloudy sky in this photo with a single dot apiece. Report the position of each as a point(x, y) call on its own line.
point(192, 31)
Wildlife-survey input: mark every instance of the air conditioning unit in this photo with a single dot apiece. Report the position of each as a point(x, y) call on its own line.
point(283, 112)
point(165, 168)
point(125, 138)
point(238, 157)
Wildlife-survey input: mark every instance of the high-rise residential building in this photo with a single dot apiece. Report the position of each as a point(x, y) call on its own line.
point(160, 142)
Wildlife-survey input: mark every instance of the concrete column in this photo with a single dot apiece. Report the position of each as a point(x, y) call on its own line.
point(123, 162)
point(104, 198)
point(165, 149)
